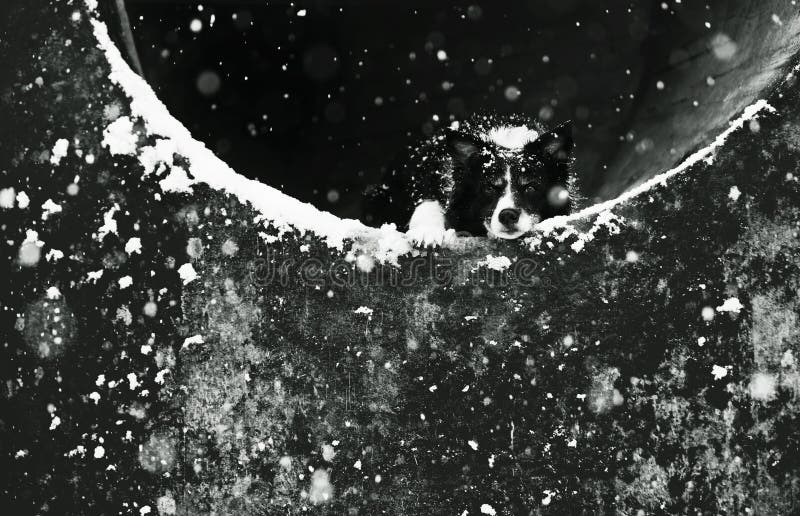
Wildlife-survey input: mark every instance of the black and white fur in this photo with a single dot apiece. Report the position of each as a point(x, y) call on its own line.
point(494, 176)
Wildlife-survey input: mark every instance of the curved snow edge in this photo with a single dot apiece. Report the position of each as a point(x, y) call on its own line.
point(386, 243)
point(705, 154)
point(279, 209)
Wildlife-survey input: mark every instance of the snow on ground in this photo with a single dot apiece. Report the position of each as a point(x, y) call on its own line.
point(498, 263)
point(59, 151)
point(732, 305)
point(187, 273)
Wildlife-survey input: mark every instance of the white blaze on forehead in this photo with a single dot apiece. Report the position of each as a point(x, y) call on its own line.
point(512, 138)
point(526, 220)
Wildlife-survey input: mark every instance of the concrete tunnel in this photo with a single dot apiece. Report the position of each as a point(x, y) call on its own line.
point(645, 84)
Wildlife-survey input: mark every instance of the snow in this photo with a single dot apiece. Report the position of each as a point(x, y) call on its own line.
point(365, 263)
point(497, 263)
point(93, 276)
point(162, 152)
point(732, 305)
point(7, 196)
point(59, 151)
point(605, 219)
point(488, 509)
point(78, 450)
point(133, 381)
point(53, 293)
point(53, 255)
point(30, 251)
point(32, 237)
point(512, 93)
point(473, 445)
point(23, 200)
point(734, 193)
point(49, 208)
point(195, 339)
point(109, 224)
point(363, 310)
point(176, 181)
point(187, 273)
point(719, 372)
point(125, 282)
point(159, 379)
point(511, 138)
point(133, 245)
point(120, 138)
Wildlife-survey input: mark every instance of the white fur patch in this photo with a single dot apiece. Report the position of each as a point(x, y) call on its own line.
point(526, 220)
point(426, 226)
point(512, 138)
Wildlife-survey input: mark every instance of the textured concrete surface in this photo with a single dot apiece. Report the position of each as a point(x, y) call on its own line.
point(623, 377)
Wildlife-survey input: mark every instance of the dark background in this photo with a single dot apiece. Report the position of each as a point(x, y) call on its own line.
point(317, 104)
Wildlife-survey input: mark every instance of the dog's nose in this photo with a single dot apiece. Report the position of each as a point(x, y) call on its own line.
point(508, 217)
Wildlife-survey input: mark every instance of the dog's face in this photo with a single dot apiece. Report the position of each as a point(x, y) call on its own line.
point(510, 179)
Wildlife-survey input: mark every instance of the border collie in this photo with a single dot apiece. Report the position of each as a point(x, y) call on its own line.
point(490, 175)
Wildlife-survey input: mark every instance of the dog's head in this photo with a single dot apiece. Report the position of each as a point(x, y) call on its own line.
point(509, 179)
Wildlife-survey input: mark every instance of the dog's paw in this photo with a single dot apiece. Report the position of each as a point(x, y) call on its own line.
point(431, 236)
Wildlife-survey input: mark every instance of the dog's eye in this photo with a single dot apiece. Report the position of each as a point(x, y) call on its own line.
point(498, 183)
point(527, 184)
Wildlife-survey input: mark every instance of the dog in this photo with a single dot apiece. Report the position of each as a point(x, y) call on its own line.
point(495, 176)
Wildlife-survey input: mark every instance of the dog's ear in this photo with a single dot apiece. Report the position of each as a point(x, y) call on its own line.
point(555, 144)
point(462, 146)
